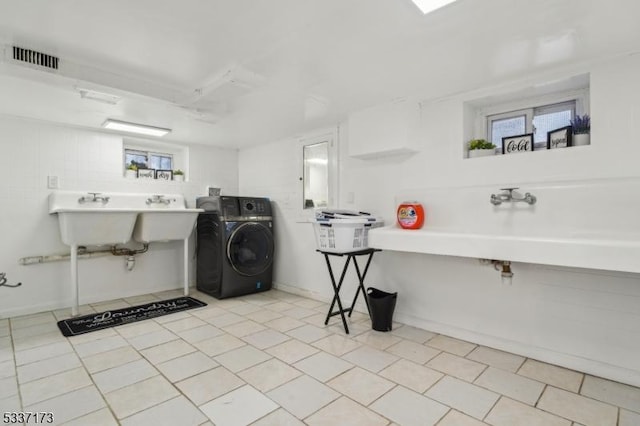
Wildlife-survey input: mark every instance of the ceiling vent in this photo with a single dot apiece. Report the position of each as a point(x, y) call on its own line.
point(35, 58)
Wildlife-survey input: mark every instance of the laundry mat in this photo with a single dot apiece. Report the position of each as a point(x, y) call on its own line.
point(102, 320)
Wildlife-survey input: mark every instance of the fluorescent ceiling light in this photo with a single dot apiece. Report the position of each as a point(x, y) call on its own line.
point(134, 128)
point(427, 6)
point(94, 95)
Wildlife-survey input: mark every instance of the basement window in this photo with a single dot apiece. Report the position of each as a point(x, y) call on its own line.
point(154, 155)
point(538, 120)
point(148, 160)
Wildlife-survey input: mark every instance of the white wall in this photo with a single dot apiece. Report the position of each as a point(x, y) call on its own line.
point(87, 161)
point(583, 319)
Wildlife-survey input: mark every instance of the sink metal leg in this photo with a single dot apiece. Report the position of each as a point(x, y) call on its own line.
point(74, 280)
point(186, 266)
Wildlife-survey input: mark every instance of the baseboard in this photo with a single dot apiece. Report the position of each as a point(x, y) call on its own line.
point(573, 362)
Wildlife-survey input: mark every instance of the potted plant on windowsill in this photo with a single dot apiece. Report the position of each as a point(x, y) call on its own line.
point(132, 171)
point(481, 148)
point(581, 130)
point(178, 175)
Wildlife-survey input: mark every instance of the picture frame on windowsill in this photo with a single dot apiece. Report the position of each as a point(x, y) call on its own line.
point(559, 138)
point(518, 143)
point(149, 174)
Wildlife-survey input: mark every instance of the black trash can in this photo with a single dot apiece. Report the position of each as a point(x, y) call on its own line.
point(381, 305)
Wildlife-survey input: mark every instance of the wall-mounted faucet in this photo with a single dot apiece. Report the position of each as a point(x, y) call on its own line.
point(511, 195)
point(160, 199)
point(93, 197)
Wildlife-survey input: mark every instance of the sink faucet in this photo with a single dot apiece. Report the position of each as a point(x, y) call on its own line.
point(93, 197)
point(160, 199)
point(510, 195)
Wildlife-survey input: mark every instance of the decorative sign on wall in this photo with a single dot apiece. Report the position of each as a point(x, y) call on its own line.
point(164, 174)
point(146, 173)
point(559, 138)
point(520, 143)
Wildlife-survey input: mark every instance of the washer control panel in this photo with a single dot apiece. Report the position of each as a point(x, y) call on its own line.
point(255, 206)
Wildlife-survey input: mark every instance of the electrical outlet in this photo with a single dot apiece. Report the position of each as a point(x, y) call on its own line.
point(52, 182)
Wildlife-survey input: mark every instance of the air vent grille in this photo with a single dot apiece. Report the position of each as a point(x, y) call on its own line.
point(35, 58)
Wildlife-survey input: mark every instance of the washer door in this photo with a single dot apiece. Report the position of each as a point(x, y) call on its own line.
point(250, 248)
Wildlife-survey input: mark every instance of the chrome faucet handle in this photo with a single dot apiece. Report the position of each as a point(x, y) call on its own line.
point(495, 200)
point(510, 189)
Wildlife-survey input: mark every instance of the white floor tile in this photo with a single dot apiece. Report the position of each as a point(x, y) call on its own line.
point(628, 418)
point(370, 358)
point(42, 352)
point(456, 418)
point(266, 338)
point(209, 385)
point(241, 358)
point(70, 405)
point(496, 358)
point(378, 339)
point(110, 359)
point(553, 375)
point(269, 375)
point(465, 397)
point(167, 351)
point(343, 411)
point(451, 345)
point(280, 417)
point(415, 334)
point(456, 366)
point(283, 324)
point(336, 345)
point(244, 328)
point(10, 404)
point(51, 386)
point(299, 312)
point(102, 417)
point(186, 366)
point(239, 407)
point(39, 369)
point(303, 396)
point(512, 385)
point(613, 393)
point(184, 324)
point(86, 349)
point(263, 315)
point(177, 411)
point(8, 369)
point(8, 387)
point(219, 345)
point(408, 408)
point(292, 351)
point(413, 351)
point(225, 320)
point(323, 366)
point(139, 396)
point(124, 375)
point(361, 385)
point(309, 333)
point(578, 408)
point(508, 412)
point(31, 320)
point(198, 334)
point(152, 339)
point(136, 329)
point(411, 375)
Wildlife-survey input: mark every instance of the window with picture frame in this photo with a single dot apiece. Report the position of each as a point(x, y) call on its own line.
point(536, 106)
point(154, 155)
point(538, 120)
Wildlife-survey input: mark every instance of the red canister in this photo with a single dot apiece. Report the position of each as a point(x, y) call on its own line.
point(411, 215)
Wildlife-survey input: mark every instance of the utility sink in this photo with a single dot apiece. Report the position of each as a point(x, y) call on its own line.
point(165, 219)
point(93, 218)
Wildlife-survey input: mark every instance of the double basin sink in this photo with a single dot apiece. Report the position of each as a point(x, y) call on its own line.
point(115, 218)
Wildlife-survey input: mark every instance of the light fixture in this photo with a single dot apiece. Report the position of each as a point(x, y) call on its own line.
point(134, 128)
point(427, 6)
point(94, 95)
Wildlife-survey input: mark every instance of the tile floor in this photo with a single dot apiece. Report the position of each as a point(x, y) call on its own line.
point(267, 359)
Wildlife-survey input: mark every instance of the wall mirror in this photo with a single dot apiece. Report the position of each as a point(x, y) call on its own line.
point(316, 175)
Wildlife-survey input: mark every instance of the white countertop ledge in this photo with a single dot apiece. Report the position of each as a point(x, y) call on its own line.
point(592, 251)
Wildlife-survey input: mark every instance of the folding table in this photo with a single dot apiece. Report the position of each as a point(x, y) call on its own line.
point(351, 255)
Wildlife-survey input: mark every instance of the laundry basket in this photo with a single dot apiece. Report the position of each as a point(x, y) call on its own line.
point(343, 231)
